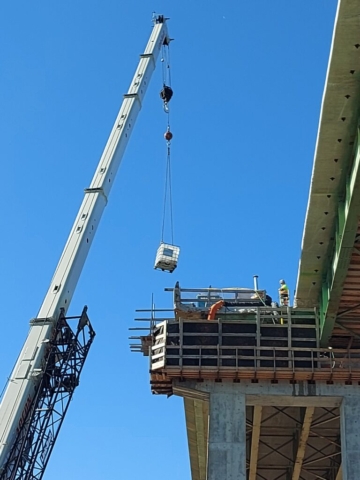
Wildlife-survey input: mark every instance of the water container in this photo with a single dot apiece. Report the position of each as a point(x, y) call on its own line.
point(167, 257)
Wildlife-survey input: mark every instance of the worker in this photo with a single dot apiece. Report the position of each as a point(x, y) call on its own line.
point(284, 294)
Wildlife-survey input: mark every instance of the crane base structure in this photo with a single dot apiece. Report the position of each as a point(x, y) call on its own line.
point(43, 416)
point(262, 398)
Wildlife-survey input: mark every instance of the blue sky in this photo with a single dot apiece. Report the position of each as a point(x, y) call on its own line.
point(248, 78)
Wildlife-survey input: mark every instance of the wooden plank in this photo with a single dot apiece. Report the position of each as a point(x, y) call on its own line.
point(255, 441)
point(309, 413)
point(196, 413)
point(339, 475)
point(287, 401)
point(323, 375)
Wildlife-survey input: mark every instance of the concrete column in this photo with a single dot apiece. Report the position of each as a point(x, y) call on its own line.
point(227, 434)
point(350, 437)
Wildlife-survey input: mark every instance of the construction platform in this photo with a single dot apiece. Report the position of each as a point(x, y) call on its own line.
point(244, 342)
point(270, 356)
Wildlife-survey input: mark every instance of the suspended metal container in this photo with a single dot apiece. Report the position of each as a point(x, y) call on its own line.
point(167, 257)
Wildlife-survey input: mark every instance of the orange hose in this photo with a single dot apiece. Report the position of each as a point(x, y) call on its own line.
point(214, 309)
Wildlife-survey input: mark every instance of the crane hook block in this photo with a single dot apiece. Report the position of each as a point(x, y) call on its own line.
point(166, 94)
point(168, 135)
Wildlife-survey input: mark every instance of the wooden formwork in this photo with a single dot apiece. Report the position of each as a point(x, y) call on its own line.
point(247, 350)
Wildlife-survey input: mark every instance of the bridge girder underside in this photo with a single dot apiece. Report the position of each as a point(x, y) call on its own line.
point(282, 443)
point(332, 218)
point(346, 328)
point(340, 290)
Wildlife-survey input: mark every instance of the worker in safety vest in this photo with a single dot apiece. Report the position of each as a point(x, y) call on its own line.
point(284, 294)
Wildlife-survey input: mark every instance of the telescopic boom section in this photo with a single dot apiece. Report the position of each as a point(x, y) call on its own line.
point(25, 377)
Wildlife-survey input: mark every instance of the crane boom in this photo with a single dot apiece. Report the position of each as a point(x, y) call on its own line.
point(29, 369)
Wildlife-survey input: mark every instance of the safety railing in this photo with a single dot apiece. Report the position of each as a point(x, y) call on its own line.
point(235, 349)
point(199, 361)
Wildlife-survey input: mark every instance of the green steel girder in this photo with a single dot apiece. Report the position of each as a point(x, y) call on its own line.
point(336, 268)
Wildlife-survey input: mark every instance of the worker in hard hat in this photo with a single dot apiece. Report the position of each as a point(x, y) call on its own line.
point(284, 294)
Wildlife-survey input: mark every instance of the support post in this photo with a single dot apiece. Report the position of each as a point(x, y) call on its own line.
point(255, 437)
point(227, 434)
point(339, 474)
point(305, 431)
point(350, 437)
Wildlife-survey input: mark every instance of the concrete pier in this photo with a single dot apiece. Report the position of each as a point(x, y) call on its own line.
point(350, 436)
point(227, 435)
point(264, 429)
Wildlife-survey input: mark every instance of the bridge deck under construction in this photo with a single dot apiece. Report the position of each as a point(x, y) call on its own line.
point(256, 347)
point(245, 349)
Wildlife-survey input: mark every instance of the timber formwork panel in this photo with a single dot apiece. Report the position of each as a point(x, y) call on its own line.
point(244, 349)
point(196, 416)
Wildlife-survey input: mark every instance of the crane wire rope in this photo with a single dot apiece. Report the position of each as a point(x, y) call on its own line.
point(168, 194)
point(166, 95)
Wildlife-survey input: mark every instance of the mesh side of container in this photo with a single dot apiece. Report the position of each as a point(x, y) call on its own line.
point(168, 251)
point(167, 257)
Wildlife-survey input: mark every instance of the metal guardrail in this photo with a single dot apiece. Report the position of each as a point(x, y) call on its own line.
point(196, 349)
point(314, 357)
point(254, 363)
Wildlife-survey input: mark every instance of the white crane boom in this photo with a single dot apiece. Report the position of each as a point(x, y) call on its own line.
point(25, 376)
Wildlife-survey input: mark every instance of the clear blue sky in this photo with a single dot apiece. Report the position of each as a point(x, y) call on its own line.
point(248, 78)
